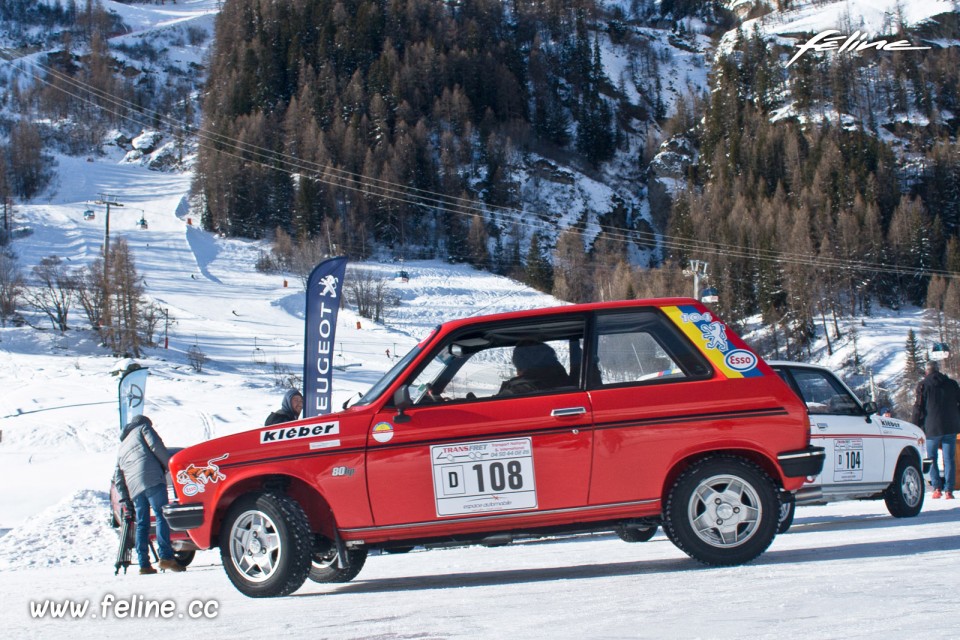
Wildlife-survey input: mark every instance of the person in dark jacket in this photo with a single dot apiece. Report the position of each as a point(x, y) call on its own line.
point(289, 411)
point(937, 412)
point(537, 370)
point(141, 482)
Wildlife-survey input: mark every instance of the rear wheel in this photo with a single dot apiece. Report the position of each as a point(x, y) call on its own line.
point(265, 545)
point(722, 511)
point(787, 509)
point(184, 558)
point(324, 564)
point(636, 534)
point(904, 496)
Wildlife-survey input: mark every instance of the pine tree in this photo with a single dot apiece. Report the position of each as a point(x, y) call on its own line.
point(539, 268)
point(912, 372)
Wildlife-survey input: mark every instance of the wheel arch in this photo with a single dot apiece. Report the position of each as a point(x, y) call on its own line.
point(910, 452)
point(764, 462)
point(318, 510)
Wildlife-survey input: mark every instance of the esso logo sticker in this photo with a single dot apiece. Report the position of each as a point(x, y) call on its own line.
point(740, 360)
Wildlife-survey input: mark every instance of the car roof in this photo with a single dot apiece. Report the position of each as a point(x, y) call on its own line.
point(572, 309)
point(805, 365)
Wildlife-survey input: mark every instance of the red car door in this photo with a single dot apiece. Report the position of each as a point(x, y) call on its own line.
point(466, 450)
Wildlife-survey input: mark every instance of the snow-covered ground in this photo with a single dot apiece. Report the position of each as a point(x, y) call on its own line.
point(843, 571)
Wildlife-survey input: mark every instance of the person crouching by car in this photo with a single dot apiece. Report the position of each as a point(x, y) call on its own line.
point(141, 483)
point(289, 411)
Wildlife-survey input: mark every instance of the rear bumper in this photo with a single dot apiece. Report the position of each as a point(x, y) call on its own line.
point(802, 462)
point(183, 517)
point(927, 463)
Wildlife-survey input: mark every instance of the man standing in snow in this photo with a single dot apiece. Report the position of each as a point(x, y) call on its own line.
point(289, 411)
point(140, 479)
point(937, 412)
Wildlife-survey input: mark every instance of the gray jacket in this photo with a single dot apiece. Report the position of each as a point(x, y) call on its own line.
point(142, 459)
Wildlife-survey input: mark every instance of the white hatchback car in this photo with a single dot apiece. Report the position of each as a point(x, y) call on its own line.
point(868, 457)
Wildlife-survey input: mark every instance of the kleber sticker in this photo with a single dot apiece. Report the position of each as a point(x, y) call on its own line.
point(710, 335)
point(383, 432)
point(282, 434)
point(195, 479)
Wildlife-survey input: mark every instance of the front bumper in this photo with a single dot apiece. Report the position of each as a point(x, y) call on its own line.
point(927, 463)
point(802, 462)
point(183, 517)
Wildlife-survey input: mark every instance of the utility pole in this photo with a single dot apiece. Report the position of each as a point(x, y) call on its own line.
point(108, 201)
point(166, 325)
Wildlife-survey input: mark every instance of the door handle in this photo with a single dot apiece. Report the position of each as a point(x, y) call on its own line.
point(567, 412)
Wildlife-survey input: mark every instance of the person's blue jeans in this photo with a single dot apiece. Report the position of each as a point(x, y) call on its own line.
point(949, 446)
point(153, 498)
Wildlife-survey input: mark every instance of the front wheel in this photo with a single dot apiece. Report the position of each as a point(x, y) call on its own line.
point(265, 545)
point(722, 511)
point(904, 496)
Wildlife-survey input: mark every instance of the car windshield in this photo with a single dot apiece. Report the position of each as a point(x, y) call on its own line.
point(824, 394)
point(381, 385)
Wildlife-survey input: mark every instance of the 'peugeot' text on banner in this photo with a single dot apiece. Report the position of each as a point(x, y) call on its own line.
point(324, 287)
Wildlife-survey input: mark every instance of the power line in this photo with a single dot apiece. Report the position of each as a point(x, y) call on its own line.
point(366, 185)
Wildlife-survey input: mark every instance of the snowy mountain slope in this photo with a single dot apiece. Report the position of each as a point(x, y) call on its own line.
point(247, 323)
point(874, 17)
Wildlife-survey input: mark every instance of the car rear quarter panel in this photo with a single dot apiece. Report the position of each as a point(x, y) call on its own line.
point(645, 437)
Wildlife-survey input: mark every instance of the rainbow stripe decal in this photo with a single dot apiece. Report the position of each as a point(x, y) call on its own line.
point(710, 335)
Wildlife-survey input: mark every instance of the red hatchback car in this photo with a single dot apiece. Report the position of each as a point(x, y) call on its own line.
point(600, 417)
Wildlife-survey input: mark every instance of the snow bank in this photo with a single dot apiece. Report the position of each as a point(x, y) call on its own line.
point(74, 531)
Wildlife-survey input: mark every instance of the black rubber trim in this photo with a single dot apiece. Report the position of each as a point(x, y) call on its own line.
point(802, 462)
point(696, 417)
point(183, 517)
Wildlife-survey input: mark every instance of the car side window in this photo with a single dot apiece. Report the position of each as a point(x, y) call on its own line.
point(823, 394)
point(642, 346)
point(501, 362)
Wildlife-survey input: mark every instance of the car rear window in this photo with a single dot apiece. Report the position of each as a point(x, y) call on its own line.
point(642, 346)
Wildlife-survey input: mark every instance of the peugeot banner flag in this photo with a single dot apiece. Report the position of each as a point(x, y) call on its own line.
point(324, 287)
point(132, 393)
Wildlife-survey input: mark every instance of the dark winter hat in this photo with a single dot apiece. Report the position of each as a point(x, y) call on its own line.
point(533, 355)
point(288, 397)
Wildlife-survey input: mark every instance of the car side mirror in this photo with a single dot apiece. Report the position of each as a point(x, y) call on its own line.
point(401, 400)
point(870, 408)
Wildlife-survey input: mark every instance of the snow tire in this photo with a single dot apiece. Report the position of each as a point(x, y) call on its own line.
point(722, 511)
point(266, 544)
point(904, 496)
